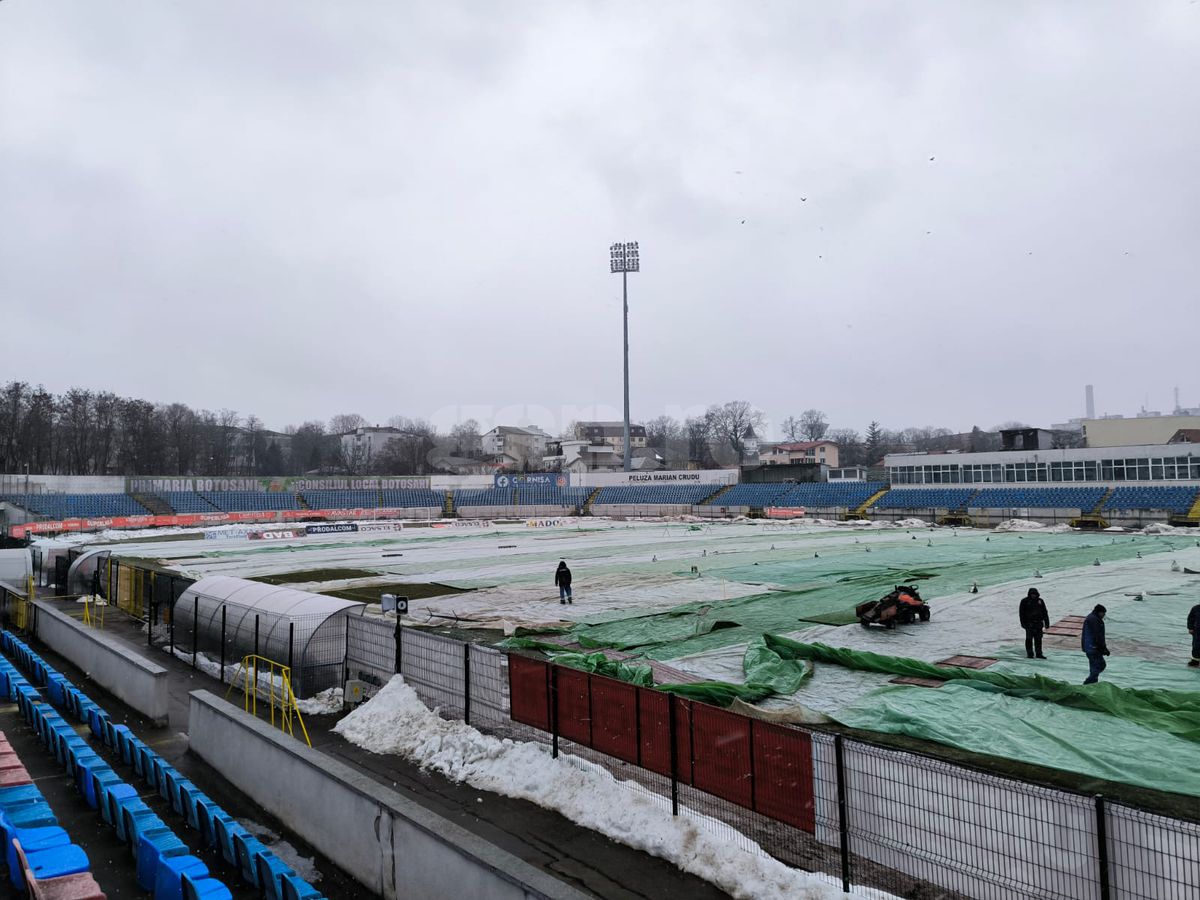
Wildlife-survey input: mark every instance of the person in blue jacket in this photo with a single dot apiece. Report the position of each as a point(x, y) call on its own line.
point(1193, 624)
point(1094, 644)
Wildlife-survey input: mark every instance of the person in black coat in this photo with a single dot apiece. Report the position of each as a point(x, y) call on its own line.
point(562, 580)
point(1193, 625)
point(1094, 644)
point(1034, 618)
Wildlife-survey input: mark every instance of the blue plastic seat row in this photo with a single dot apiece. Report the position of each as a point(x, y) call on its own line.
point(675, 494)
point(1176, 498)
point(924, 499)
point(258, 865)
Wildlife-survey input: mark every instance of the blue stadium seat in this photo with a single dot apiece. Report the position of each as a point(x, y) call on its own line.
point(1176, 499)
point(1083, 498)
point(925, 498)
point(650, 494)
point(250, 501)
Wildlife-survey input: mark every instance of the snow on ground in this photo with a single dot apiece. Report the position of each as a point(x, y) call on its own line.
point(1028, 525)
point(324, 703)
point(395, 721)
point(304, 866)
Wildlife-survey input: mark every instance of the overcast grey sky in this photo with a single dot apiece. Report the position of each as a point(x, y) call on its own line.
point(921, 213)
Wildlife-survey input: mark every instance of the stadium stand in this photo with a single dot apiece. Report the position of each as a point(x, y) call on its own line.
point(484, 497)
point(649, 494)
point(823, 494)
point(925, 498)
point(412, 497)
point(756, 495)
point(250, 501)
point(323, 499)
point(548, 495)
point(1084, 498)
point(1176, 499)
point(187, 502)
point(77, 506)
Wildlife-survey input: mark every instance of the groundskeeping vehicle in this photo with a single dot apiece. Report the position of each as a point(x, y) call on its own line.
point(902, 606)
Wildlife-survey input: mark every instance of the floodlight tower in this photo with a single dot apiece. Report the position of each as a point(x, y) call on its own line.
point(624, 259)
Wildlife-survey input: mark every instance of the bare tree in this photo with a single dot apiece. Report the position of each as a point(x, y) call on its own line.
point(662, 431)
point(344, 423)
point(698, 430)
point(465, 438)
point(849, 444)
point(792, 428)
point(813, 424)
point(728, 424)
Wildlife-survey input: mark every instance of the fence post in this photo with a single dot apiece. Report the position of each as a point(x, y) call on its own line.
point(399, 649)
point(554, 712)
point(843, 824)
point(671, 701)
point(1102, 846)
point(222, 675)
point(195, 628)
point(467, 682)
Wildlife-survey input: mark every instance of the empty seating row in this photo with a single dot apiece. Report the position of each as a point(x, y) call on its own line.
point(77, 506)
point(187, 502)
point(1177, 499)
point(756, 495)
point(342, 499)
point(161, 858)
point(485, 497)
point(823, 494)
point(411, 498)
point(257, 865)
point(548, 495)
point(250, 501)
point(681, 494)
point(40, 856)
point(1083, 498)
point(925, 498)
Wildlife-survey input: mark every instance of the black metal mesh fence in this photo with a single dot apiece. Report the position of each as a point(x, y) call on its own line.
point(885, 821)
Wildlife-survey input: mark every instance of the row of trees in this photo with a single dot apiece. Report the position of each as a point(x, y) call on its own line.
point(83, 432)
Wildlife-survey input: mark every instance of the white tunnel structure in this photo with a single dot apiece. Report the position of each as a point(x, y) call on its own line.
point(283, 624)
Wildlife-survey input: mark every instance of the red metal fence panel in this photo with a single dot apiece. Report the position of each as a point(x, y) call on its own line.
point(783, 775)
point(654, 735)
point(574, 705)
point(529, 691)
point(721, 758)
point(615, 718)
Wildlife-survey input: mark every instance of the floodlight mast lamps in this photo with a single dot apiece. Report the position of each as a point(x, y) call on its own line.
point(624, 259)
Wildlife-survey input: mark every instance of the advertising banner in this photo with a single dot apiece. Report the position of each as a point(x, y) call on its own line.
point(683, 476)
point(334, 528)
point(534, 479)
point(784, 512)
point(277, 534)
point(152, 485)
point(380, 526)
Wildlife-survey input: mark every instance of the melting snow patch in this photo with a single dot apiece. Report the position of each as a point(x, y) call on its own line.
point(325, 703)
point(396, 721)
point(1027, 525)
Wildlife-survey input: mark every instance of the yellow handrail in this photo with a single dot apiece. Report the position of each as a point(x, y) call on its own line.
point(94, 619)
point(252, 670)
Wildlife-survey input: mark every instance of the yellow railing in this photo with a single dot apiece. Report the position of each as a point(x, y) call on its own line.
point(93, 611)
point(272, 681)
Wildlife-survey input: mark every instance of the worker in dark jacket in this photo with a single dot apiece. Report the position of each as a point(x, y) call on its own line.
point(1194, 628)
point(1034, 618)
point(562, 580)
point(1094, 644)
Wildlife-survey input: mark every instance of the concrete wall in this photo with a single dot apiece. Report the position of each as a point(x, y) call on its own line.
point(123, 673)
point(639, 510)
point(391, 845)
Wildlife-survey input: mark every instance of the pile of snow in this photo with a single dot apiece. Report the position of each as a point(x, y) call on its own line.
point(1028, 525)
point(1164, 528)
point(324, 703)
point(396, 721)
point(912, 523)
